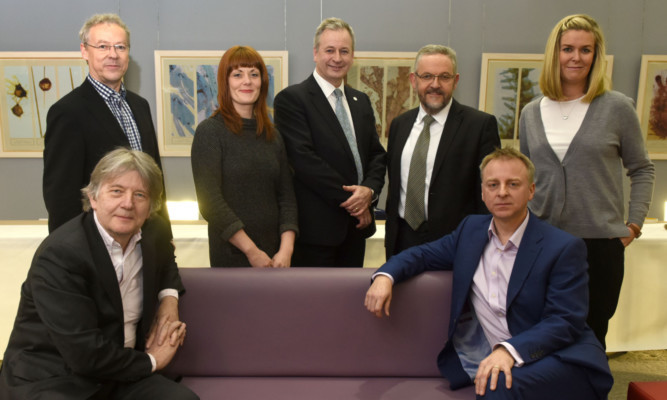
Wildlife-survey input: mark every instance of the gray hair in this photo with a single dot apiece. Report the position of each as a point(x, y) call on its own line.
point(116, 163)
point(430, 49)
point(102, 19)
point(334, 24)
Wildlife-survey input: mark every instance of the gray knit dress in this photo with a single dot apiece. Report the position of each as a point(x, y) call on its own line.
point(243, 182)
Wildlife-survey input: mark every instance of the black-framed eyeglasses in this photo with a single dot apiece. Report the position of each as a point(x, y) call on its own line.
point(428, 78)
point(120, 48)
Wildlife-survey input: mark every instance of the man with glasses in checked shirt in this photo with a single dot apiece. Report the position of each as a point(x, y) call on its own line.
point(433, 154)
point(93, 119)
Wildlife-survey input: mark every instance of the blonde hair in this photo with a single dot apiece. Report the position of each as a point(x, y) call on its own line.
point(509, 153)
point(550, 82)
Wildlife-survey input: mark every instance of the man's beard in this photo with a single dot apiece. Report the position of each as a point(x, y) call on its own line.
point(434, 108)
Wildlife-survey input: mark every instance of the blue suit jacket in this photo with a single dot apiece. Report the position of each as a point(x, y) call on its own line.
point(547, 297)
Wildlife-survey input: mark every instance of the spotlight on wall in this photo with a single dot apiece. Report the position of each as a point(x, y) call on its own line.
point(183, 210)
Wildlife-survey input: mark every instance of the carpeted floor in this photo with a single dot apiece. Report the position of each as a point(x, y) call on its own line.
point(637, 366)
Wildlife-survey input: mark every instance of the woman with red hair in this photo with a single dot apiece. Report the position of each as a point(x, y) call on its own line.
point(241, 174)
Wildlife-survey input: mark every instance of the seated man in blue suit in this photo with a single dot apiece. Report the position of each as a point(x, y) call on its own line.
point(517, 326)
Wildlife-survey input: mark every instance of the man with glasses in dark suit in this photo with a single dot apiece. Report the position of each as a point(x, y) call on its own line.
point(433, 154)
point(93, 119)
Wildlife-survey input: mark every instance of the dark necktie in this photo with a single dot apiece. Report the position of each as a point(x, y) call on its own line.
point(415, 212)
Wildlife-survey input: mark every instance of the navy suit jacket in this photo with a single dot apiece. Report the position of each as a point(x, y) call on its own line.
point(455, 188)
point(322, 159)
point(547, 296)
point(68, 336)
point(80, 130)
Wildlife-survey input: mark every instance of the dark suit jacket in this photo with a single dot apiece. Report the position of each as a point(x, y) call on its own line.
point(547, 296)
point(455, 189)
point(68, 335)
point(80, 130)
point(322, 160)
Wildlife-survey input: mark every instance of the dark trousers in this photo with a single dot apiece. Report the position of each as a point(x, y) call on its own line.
point(606, 265)
point(551, 379)
point(348, 254)
point(407, 237)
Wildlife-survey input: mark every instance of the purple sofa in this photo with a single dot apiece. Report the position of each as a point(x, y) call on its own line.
point(303, 333)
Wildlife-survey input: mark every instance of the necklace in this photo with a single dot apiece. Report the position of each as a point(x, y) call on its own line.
point(567, 115)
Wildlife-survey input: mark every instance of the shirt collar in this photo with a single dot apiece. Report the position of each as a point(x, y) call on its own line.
point(105, 91)
point(110, 241)
point(326, 86)
point(516, 237)
point(439, 117)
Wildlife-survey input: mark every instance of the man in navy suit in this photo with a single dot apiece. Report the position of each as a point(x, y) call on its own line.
point(517, 328)
point(459, 138)
point(333, 147)
point(93, 119)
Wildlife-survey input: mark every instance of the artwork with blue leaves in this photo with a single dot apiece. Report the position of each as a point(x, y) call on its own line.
point(188, 93)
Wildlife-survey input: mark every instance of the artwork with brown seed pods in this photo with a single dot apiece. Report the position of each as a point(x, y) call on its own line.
point(33, 81)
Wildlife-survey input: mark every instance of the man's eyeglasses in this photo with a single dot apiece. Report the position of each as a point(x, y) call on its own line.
point(428, 78)
point(120, 48)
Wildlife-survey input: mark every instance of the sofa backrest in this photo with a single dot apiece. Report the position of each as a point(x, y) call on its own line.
point(308, 322)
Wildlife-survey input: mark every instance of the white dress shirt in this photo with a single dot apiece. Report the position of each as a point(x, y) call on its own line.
point(436, 129)
point(328, 90)
point(129, 272)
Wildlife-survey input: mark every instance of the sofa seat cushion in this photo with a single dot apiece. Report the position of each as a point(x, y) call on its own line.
point(295, 388)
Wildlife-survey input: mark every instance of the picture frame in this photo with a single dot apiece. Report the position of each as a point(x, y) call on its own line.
point(384, 77)
point(33, 82)
point(186, 92)
point(652, 104)
point(500, 89)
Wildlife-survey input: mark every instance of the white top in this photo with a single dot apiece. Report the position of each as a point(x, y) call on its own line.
point(562, 120)
point(129, 271)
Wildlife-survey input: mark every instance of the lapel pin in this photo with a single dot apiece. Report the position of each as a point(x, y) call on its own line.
point(354, 98)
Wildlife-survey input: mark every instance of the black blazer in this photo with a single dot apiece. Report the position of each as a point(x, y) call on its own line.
point(455, 189)
point(80, 130)
point(68, 335)
point(322, 159)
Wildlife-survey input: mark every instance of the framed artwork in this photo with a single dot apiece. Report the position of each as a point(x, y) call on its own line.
point(508, 83)
point(187, 93)
point(652, 104)
point(33, 81)
point(384, 77)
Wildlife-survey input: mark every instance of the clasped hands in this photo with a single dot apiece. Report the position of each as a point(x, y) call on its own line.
point(167, 333)
point(358, 204)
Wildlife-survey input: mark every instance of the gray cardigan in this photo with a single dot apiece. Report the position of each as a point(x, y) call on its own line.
point(243, 182)
point(583, 194)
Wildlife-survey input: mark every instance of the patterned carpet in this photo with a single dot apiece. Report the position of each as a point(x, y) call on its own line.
point(636, 366)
